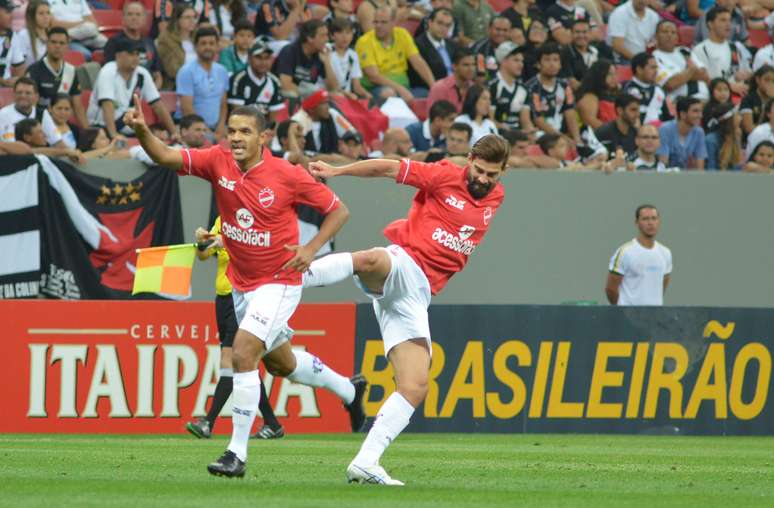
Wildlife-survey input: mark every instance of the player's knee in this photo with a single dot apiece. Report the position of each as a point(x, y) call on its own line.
point(414, 391)
point(278, 368)
point(365, 261)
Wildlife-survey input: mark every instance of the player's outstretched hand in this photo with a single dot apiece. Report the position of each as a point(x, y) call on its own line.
point(321, 169)
point(302, 259)
point(133, 117)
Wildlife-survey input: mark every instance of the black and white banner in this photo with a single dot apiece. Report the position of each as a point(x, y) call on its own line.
point(66, 234)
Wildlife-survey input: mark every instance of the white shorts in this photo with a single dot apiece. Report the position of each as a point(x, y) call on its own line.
point(265, 312)
point(402, 307)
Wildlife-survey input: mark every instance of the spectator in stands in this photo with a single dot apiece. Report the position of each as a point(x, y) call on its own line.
point(739, 31)
point(630, 29)
point(224, 15)
point(385, 55)
point(555, 147)
point(304, 66)
point(499, 32)
point(508, 93)
point(115, 85)
point(396, 144)
point(596, 95)
point(344, 60)
point(764, 55)
point(683, 143)
point(720, 93)
point(323, 125)
point(193, 134)
point(61, 109)
point(641, 268)
point(432, 132)
point(235, 57)
point(537, 35)
point(25, 105)
point(552, 96)
point(7, 56)
point(474, 17)
point(435, 47)
point(763, 132)
point(344, 10)
point(30, 132)
point(654, 106)
point(621, 132)
point(454, 29)
point(94, 143)
point(722, 57)
point(175, 43)
point(256, 86)
point(677, 74)
point(521, 14)
point(202, 85)
point(366, 12)
point(454, 87)
point(645, 158)
point(351, 146)
point(53, 75)
point(579, 56)
point(290, 143)
point(761, 90)
point(762, 158)
point(477, 112)
point(457, 144)
point(37, 22)
point(134, 21)
point(723, 138)
point(75, 16)
point(281, 20)
point(560, 17)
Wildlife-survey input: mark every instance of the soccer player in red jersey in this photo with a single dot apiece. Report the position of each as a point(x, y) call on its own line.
point(257, 196)
point(449, 217)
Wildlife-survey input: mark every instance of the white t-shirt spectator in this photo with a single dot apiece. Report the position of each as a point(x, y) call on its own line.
point(111, 86)
point(717, 58)
point(643, 272)
point(673, 63)
point(764, 56)
point(21, 48)
point(763, 132)
point(346, 68)
point(9, 58)
point(636, 32)
point(69, 10)
point(479, 131)
point(10, 116)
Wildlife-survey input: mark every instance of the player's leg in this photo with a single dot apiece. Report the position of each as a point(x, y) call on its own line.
point(370, 266)
point(271, 426)
point(307, 369)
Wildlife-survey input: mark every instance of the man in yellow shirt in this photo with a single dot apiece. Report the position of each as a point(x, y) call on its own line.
point(385, 54)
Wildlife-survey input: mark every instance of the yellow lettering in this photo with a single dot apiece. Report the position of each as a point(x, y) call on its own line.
point(471, 365)
point(541, 376)
point(714, 366)
point(752, 351)
point(556, 407)
point(497, 407)
point(670, 381)
point(602, 378)
point(638, 377)
point(384, 378)
point(436, 367)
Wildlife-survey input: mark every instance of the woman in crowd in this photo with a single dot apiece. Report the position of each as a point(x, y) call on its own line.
point(30, 42)
point(224, 14)
point(719, 93)
point(94, 143)
point(477, 112)
point(762, 158)
point(761, 90)
point(723, 137)
point(61, 110)
point(537, 35)
point(175, 44)
point(596, 95)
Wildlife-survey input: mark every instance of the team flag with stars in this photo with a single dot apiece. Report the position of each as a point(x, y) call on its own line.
point(165, 270)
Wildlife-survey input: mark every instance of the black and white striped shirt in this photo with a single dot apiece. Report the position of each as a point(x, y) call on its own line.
point(245, 89)
point(509, 101)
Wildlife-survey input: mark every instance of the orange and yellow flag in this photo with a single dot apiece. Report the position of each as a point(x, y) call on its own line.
point(165, 270)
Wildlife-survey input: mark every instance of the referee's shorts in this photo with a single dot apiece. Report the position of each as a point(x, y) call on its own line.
point(226, 319)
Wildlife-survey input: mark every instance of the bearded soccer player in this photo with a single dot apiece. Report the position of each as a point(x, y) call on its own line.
point(448, 219)
point(257, 196)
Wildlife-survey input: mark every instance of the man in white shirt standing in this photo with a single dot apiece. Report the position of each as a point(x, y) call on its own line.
point(630, 28)
point(722, 57)
point(640, 269)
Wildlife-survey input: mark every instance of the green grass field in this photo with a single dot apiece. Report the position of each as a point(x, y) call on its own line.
point(439, 469)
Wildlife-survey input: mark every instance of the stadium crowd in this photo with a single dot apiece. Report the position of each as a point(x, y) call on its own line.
point(575, 84)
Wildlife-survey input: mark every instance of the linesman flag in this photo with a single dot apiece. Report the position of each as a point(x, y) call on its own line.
point(165, 270)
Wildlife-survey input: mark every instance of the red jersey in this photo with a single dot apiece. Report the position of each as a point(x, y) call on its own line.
point(445, 223)
point(258, 211)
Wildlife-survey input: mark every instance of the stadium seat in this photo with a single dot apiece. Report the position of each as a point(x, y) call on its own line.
point(6, 96)
point(109, 21)
point(759, 38)
point(283, 114)
point(420, 108)
point(75, 57)
point(410, 24)
point(499, 5)
point(150, 116)
point(685, 35)
point(98, 56)
point(623, 73)
point(85, 96)
point(169, 100)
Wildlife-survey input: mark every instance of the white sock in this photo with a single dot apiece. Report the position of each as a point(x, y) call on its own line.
point(329, 270)
point(393, 417)
point(246, 395)
point(311, 371)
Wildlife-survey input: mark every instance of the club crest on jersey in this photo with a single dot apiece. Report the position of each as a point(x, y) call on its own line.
point(487, 215)
point(244, 218)
point(452, 201)
point(466, 232)
point(266, 197)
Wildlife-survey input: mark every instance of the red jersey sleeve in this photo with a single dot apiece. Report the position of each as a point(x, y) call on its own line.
point(199, 162)
point(422, 175)
point(313, 193)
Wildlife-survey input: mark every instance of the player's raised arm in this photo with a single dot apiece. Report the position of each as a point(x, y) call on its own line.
point(153, 146)
point(367, 169)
